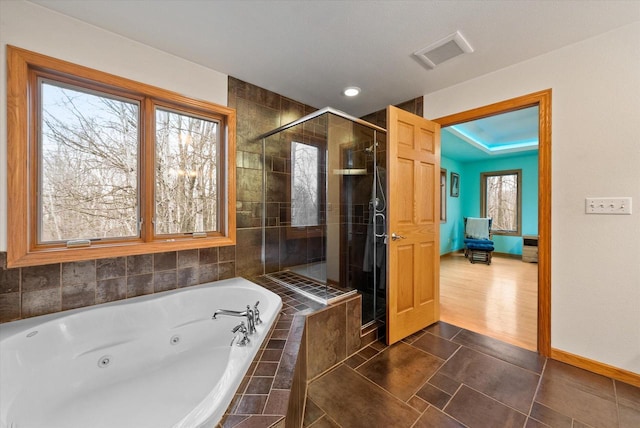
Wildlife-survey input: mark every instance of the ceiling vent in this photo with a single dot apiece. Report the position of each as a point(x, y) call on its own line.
point(443, 50)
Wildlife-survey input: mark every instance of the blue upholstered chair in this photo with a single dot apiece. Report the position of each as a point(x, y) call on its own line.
point(478, 245)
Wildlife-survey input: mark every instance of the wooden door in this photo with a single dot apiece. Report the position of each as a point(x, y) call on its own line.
point(413, 168)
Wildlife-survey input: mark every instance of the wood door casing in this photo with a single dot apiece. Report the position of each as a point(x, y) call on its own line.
point(543, 100)
point(413, 167)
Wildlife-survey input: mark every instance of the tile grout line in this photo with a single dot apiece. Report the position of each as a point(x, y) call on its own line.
point(323, 415)
point(535, 394)
point(493, 399)
point(500, 359)
point(460, 346)
point(383, 389)
point(449, 402)
point(444, 361)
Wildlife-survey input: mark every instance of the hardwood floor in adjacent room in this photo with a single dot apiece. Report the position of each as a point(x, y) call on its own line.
point(498, 300)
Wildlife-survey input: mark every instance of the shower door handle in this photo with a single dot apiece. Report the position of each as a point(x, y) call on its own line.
point(395, 237)
point(376, 224)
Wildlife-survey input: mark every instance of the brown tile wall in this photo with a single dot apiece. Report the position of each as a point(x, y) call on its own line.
point(39, 290)
point(260, 111)
point(285, 248)
point(334, 334)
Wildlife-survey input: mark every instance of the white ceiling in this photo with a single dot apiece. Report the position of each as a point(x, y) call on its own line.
point(310, 50)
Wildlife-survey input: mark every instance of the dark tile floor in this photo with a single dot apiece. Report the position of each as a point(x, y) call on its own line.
point(445, 376)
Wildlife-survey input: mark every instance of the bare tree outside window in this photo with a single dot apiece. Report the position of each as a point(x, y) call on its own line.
point(501, 200)
point(186, 173)
point(88, 165)
point(89, 168)
point(304, 185)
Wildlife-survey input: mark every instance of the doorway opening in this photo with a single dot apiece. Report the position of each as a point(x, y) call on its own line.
point(542, 101)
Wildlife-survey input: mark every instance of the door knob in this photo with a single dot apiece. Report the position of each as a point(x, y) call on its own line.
point(395, 237)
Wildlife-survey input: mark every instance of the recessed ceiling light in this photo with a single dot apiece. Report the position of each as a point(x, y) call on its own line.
point(351, 91)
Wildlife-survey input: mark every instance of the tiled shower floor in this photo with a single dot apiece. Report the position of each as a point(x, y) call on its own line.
point(314, 290)
point(445, 376)
point(316, 271)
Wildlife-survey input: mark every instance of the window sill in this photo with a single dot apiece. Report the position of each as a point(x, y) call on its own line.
point(99, 251)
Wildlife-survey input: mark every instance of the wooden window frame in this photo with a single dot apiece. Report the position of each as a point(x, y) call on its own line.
point(22, 134)
point(483, 199)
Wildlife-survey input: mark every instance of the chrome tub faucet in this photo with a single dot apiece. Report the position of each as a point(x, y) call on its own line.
point(248, 313)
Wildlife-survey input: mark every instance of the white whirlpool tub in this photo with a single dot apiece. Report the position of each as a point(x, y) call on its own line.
point(152, 361)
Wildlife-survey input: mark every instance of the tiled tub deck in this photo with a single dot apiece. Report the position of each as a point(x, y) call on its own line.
point(273, 392)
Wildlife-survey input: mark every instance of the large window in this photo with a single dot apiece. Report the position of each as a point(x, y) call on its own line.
point(502, 200)
point(103, 166)
point(87, 160)
point(186, 173)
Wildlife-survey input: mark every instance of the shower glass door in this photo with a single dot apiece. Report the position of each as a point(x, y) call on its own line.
point(356, 210)
point(324, 208)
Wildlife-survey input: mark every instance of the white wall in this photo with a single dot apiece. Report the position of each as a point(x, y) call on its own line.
point(35, 28)
point(595, 260)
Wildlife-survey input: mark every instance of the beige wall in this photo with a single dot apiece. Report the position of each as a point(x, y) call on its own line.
point(35, 28)
point(595, 152)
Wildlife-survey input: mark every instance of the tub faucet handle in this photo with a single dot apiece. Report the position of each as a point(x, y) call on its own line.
point(256, 313)
point(243, 331)
point(251, 320)
point(240, 327)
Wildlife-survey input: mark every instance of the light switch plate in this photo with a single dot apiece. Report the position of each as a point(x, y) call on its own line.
point(608, 205)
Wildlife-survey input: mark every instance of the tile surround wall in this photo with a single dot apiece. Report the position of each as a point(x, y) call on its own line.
point(335, 334)
point(307, 246)
point(39, 290)
point(259, 111)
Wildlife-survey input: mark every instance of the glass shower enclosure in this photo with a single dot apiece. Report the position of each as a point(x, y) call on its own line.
point(324, 209)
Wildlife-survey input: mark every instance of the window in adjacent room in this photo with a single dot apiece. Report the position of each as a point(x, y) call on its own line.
point(112, 167)
point(502, 200)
